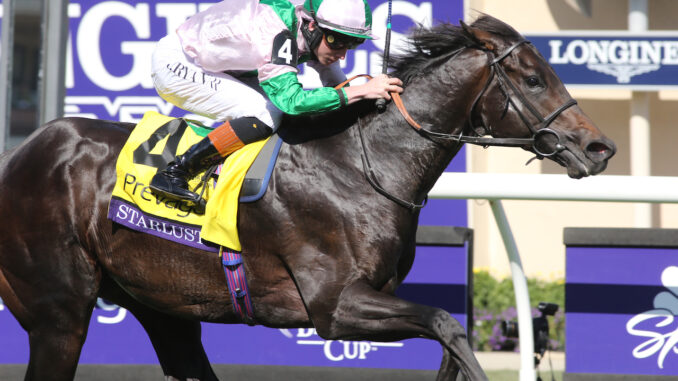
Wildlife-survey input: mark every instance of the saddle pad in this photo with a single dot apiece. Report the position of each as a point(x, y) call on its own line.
point(153, 143)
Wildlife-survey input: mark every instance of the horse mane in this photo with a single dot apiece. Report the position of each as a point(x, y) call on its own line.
point(429, 48)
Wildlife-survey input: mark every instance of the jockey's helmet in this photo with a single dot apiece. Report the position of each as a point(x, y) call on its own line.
point(352, 18)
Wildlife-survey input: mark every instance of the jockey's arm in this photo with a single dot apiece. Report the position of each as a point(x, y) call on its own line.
point(288, 94)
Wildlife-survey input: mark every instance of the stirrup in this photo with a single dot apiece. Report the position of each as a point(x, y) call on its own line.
point(163, 184)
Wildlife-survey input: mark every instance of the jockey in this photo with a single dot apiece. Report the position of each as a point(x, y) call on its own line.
point(237, 62)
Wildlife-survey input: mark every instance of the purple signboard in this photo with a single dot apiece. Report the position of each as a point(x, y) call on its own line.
point(440, 277)
point(621, 302)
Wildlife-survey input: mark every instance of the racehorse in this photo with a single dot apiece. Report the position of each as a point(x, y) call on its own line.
point(326, 246)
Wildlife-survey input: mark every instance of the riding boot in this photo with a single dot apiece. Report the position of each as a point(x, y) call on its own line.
point(172, 182)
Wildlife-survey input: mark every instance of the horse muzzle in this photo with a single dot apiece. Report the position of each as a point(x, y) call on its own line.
point(587, 159)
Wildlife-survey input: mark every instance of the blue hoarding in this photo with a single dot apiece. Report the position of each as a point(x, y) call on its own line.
point(647, 61)
point(621, 302)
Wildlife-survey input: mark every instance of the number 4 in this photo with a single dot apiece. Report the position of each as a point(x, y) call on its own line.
point(285, 51)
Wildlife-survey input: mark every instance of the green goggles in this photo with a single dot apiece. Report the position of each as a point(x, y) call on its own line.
point(338, 41)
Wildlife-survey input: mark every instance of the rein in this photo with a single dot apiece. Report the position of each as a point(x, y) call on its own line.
point(540, 132)
point(496, 71)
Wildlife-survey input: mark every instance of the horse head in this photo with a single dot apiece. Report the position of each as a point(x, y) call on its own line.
point(524, 98)
point(501, 92)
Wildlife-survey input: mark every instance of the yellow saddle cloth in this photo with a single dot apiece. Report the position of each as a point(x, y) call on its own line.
point(153, 143)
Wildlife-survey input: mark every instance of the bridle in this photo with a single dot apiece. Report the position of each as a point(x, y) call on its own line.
point(540, 132)
point(538, 142)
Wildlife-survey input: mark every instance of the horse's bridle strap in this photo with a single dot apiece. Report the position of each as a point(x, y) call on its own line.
point(483, 141)
point(395, 96)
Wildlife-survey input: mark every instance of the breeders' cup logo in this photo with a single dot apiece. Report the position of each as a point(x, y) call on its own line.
point(339, 350)
point(622, 59)
point(659, 325)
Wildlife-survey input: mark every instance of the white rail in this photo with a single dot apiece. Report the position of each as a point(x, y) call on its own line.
point(495, 187)
point(653, 189)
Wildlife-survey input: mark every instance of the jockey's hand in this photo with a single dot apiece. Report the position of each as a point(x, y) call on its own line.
point(375, 88)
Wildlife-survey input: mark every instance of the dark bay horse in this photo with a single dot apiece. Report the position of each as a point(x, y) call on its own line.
point(327, 245)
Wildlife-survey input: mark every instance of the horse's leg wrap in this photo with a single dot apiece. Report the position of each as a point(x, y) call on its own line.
point(367, 314)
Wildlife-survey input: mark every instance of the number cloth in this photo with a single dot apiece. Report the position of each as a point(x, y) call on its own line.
point(150, 146)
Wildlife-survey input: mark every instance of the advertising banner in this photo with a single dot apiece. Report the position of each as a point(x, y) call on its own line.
point(440, 277)
point(624, 60)
point(621, 308)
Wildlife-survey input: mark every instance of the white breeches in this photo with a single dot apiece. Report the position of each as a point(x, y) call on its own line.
point(217, 96)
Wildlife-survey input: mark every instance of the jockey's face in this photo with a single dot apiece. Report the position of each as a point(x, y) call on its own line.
point(326, 55)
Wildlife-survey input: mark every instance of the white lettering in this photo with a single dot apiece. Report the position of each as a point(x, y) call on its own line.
point(120, 312)
point(583, 56)
point(618, 51)
point(660, 339)
point(670, 53)
point(122, 212)
point(658, 342)
point(142, 222)
point(285, 51)
point(174, 232)
point(73, 12)
point(345, 350)
point(557, 58)
point(155, 225)
point(364, 348)
point(190, 235)
point(89, 49)
point(650, 52)
point(599, 52)
point(351, 350)
point(327, 349)
point(133, 215)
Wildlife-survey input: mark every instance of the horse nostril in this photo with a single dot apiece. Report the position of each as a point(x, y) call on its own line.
point(598, 151)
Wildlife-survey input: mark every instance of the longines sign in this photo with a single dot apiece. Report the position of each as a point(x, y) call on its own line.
point(647, 61)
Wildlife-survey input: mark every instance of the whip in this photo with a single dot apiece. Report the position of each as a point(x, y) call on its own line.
point(381, 102)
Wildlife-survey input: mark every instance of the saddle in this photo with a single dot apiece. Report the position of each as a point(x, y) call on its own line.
point(155, 141)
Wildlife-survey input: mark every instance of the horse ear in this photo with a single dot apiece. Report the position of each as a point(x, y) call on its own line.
point(482, 37)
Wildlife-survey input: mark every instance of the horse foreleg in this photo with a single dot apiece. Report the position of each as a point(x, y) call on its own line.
point(366, 314)
point(449, 370)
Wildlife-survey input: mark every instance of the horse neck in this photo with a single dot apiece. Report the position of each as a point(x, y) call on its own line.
point(409, 162)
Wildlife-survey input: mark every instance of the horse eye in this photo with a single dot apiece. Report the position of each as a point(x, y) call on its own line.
point(533, 81)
